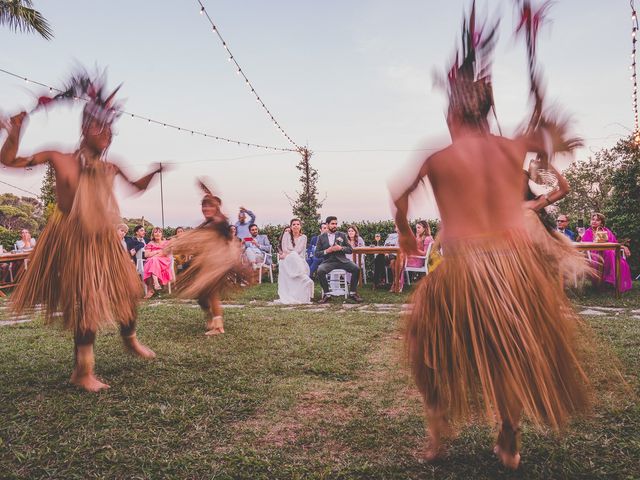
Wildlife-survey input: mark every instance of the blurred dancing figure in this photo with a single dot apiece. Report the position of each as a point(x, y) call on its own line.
point(491, 332)
point(78, 266)
point(215, 267)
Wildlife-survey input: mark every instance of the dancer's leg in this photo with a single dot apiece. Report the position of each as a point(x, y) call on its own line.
point(507, 446)
point(215, 314)
point(437, 428)
point(131, 342)
point(83, 375)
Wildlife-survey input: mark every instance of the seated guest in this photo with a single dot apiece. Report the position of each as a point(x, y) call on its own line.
point(562, 226)
point(354, 239)
point(423, 239)
point(25, 243)
point(130, 244)
point(604, 261)
point(180, 262)
point(234, 232)
point(281, 253)
point(257, 246)
point(379, 262)
point(294, 284)
point(157, 267)
point(242, 225)
point(139, 233)
point(396, 262)
point(331, 248)
point(312, 260)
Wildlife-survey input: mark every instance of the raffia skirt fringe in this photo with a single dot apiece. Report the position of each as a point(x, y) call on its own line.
point(81, 273)
point(491, 330)
point(216, 266)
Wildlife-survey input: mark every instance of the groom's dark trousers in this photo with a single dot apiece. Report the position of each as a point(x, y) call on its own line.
point(334, 260)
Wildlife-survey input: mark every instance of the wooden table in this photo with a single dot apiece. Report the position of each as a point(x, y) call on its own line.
point(601, 246)
point(10, 258)
point(359, 251)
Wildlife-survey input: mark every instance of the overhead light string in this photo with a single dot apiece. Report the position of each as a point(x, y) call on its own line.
point(159, 122)
point(232, 59)
point(633, 67)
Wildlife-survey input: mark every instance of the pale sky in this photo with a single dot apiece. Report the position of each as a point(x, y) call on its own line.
point(353, 80)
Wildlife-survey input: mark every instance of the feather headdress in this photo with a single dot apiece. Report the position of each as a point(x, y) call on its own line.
point(100, 107)
point(469, 78)
point(208, 197)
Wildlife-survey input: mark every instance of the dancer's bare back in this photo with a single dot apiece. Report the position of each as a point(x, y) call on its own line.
point(477, 183)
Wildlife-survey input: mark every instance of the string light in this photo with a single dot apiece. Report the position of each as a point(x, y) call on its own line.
point(18, 188)
point(239, 71)
point(161, 123)
point(632, 67)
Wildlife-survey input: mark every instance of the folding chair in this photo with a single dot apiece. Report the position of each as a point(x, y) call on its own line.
point(338, 283)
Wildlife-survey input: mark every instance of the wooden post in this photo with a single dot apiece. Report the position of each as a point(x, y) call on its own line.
point(618, 255)
point(161, 197)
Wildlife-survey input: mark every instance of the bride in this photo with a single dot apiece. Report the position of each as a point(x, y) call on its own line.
point(294, 284)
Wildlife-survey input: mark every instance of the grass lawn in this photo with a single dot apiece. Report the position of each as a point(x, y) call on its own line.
point(305, 392)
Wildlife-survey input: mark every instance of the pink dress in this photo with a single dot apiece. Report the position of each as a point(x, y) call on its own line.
point(416, 262)
point(605, 261)
point(158, 265)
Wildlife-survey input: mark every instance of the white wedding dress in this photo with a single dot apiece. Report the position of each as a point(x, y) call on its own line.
point(294, 284)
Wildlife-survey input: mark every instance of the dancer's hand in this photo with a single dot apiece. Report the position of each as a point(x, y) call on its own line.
point(159, 167)
point(16, 120)
point(408, 244)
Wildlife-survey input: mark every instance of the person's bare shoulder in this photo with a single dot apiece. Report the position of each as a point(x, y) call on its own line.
point(58, 159)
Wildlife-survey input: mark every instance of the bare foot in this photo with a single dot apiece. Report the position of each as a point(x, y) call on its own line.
point(510, 461)
point(149, 294)
point(133, 346)
point(88, 382)
point(432, 453)
point(214, 331)
point(215, 326)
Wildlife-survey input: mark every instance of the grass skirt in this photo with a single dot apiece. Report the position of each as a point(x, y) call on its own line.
point(557, 251)
point(492, 330)
point(78, 267)
point(216, 266)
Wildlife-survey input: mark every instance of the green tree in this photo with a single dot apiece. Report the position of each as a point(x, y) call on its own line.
point(307, 206)
point(48, 191)
point(19, 15)
point(17, 213)
point(623, 203)
point(590, 183)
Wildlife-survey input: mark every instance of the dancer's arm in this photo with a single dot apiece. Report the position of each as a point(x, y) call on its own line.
point(552, 197)
point(406, 238)
point(9, 153)
point(142, 183)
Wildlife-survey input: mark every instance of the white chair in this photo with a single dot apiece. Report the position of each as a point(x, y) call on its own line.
point(424, 269)
point(173, 274)
point(140, 261)
point(263, 264)
point(338, 283)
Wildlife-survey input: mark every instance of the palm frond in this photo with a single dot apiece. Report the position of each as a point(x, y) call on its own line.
point(19, 15)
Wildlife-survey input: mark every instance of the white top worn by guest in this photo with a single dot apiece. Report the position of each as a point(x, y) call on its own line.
point(359, 243)
point(21, 246)
point(294, 284)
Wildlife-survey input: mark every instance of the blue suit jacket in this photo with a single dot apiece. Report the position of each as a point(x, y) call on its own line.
point(134, 244)
point(570, 234)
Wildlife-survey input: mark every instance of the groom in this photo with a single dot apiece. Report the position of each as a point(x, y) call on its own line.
point(331, 247)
